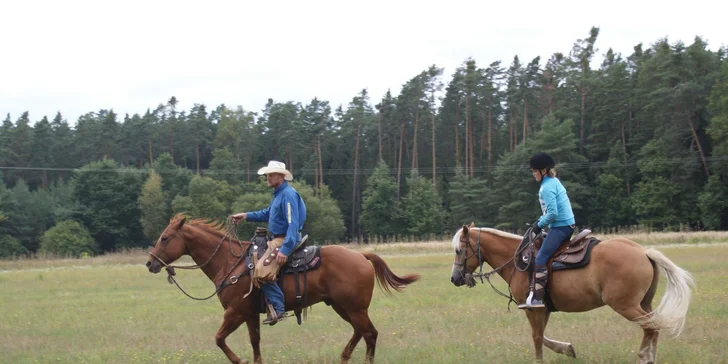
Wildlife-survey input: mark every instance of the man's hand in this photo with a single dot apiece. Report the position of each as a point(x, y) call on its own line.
point(239, 217)
point(281, 258)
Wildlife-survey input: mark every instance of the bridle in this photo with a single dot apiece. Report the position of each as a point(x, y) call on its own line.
point(464, 252)
point(470, 277)
point(233, 279)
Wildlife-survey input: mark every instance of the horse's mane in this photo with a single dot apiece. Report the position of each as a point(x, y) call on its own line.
point(211, 225)
point(504, 234)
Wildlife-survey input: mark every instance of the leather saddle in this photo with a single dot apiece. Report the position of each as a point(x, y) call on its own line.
point(303, 259)
point(572, 254)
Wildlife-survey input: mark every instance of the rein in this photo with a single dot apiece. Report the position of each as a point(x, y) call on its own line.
point(487, 275)
point(231, 235)
point(528, 244)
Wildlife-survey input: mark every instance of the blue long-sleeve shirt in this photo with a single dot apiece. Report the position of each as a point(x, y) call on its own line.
point(555, 204)
point(285, 215)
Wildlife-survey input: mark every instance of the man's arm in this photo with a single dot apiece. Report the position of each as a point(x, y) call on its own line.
point(258, 216)
point(290, 210)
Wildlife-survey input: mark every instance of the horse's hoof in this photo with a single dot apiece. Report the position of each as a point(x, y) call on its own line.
point(570, 351)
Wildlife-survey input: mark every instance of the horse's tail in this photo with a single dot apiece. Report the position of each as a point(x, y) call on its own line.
point(386, 278)
point(673, 308)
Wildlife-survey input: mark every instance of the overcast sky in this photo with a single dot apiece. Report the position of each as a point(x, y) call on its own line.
point(80, 56)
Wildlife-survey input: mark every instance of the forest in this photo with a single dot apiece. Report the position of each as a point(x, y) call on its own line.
point(640, 141)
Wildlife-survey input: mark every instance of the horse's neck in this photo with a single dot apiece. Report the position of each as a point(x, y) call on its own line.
point(202, 245)
point(497, 251)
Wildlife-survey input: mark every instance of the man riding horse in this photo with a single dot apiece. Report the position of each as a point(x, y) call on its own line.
point(285, 216)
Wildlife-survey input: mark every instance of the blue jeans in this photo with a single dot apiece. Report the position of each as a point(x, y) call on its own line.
point(553, 241)
point(274, 295)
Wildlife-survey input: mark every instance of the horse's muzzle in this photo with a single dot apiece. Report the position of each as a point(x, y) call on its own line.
point(154, 266)
point(457, 278)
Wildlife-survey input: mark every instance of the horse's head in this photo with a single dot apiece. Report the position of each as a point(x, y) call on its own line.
point(169, 247)
point(466, 257)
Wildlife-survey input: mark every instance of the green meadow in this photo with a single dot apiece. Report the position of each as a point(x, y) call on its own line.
point(110, 309)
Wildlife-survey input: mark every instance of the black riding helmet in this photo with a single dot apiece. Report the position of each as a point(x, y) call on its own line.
point(541, 160)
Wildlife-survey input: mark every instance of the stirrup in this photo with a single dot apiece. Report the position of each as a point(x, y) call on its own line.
point(528, 300)
point(275, 318)
point(529, 304)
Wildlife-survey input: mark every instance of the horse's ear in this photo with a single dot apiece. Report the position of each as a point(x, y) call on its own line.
point(465, 230)
point(472, 224)
point(181, 222)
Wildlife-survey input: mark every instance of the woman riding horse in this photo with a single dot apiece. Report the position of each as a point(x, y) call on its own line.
point(557, 215)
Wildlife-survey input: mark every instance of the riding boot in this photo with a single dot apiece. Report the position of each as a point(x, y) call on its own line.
point(274, 317)
point(535, 297)
point(276, 307)
point(540, 276)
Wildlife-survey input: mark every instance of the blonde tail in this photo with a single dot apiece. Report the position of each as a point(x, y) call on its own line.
point(670, 314)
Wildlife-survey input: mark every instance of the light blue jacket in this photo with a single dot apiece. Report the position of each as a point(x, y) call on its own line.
point(285, 215)
point(555, 204)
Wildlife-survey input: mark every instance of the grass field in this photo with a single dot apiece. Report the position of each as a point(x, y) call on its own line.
point(111, 310)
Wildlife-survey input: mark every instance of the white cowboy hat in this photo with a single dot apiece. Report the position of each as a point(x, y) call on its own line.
point(276, 167)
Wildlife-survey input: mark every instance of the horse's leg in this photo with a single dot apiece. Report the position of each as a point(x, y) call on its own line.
point(622, 300)
point(254, 332)
point(231, 321)
point(537, 319)
point(648, 348)
point(363, 325)
point(349, 348)
point(557, 346)
point(649, 338)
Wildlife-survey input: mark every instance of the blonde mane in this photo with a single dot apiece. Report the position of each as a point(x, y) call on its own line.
point(504, 234)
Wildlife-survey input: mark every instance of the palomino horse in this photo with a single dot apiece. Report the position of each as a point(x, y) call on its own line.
point(621, 274)
point(344, 280)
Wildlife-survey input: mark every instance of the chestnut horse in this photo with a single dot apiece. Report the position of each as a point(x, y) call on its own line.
point(344, 280)
point(621, 274)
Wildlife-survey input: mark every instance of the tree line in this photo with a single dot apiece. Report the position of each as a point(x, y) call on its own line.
point(640, 140)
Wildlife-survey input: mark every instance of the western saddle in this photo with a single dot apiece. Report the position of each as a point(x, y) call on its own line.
point(303, 259)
